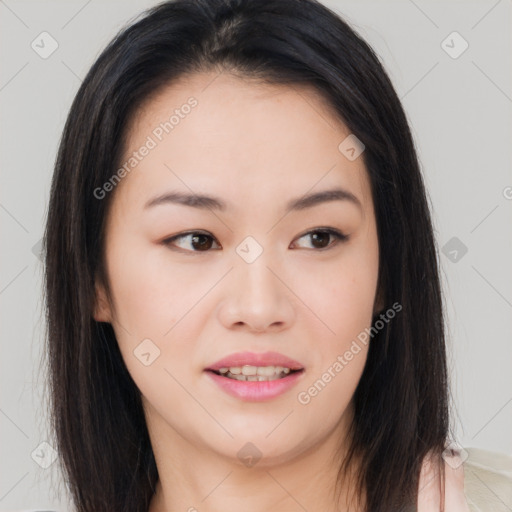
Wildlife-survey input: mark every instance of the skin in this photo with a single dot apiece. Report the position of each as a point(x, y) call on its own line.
point(429, 495)
point(256, 147)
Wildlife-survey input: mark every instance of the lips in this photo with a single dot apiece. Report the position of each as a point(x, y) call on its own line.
point(255, 389)
point(240, 359)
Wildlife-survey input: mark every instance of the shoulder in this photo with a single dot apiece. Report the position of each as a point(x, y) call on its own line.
point(430, 490)
point(474, 481)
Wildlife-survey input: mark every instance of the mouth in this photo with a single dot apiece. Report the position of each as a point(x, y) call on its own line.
point(249, 373)
point(255, 377)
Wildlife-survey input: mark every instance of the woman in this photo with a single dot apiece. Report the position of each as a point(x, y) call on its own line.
point(242, 287)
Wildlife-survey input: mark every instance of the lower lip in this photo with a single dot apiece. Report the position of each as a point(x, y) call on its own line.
point(256, 391)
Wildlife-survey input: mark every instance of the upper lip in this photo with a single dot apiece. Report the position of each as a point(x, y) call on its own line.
point(255, 359)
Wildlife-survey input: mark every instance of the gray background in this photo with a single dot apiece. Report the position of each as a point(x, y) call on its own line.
point(460, 113)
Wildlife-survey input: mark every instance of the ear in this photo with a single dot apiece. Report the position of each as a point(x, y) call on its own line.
point(102, 310)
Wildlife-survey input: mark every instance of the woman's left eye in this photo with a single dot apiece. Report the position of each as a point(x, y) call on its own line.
point(320, 237)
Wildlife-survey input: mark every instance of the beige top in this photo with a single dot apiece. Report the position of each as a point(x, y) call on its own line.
point(475, 481)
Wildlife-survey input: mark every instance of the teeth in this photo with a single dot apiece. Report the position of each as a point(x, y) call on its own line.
point(266, 371)
point(249, 370)
point(254, 373)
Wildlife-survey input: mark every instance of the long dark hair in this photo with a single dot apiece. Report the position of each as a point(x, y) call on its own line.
point(401, 402)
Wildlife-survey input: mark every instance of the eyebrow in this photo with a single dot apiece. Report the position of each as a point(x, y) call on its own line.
point(215, 203)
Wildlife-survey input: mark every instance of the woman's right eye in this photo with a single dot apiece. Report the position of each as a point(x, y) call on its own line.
point(201, 242)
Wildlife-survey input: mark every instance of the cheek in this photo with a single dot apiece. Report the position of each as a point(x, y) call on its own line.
point(153, 302)
point(152, 294)
point(327, 393)
point(345, 306)
point(160, 301)
point(340, 293)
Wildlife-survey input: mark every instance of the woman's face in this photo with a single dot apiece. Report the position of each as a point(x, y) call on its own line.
point(249, 272)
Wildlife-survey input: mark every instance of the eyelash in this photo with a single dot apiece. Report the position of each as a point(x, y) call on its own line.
point(338, 235)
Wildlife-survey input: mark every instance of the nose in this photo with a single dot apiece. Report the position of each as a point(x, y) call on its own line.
point(257, 297)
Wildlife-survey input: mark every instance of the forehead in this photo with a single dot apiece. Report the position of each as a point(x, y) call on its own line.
point(222, 134)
